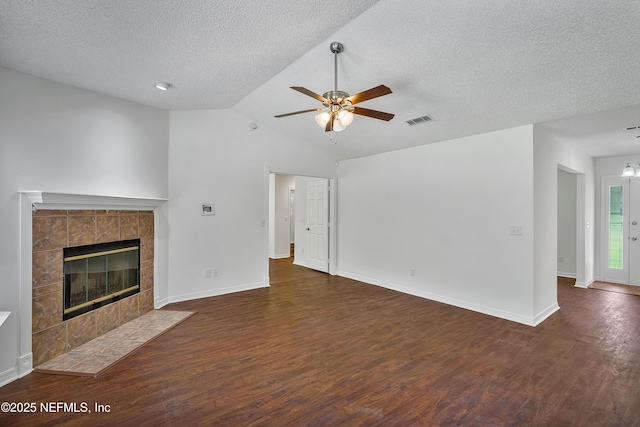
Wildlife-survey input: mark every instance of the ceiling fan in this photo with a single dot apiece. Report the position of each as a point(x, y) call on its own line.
point(338, 106)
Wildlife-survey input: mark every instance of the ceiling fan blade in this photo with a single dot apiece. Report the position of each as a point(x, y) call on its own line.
point(298, 112)
point(381, 115)
point(369, 94)
point(309, 93)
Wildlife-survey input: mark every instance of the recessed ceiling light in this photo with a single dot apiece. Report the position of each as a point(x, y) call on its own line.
point(163, 85)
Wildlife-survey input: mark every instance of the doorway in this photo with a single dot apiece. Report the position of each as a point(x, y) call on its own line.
point(304, 207)
point(621, 244)
point(567, 224)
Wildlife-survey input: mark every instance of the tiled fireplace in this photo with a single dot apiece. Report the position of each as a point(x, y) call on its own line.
point(55, 230)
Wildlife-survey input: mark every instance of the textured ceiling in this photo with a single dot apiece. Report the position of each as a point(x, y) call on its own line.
point(214, 51)
point(473, 66)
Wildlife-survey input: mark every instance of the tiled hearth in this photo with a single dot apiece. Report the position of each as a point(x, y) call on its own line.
point(95, 356)
point(52, 231)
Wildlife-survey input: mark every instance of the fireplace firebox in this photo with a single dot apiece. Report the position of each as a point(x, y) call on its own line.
point(97, 275)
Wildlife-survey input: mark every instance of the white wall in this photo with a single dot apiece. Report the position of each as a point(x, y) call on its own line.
point(605, 167)
point(444, 210)
point(279, 225)
point(549, 154)
point(567, 188)
point(213, 156)
point(62, 139)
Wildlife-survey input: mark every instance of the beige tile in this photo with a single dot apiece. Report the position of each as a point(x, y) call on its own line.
point(90, 212)
point(49, 212)
point(123, 347)
point(107, 212)
point(107, 228)
point(48, 344)
point(143, 334)
point(82, 230)
point(46, 311)
point(146, 250)
point(81, 329)
point(107, 318)
point(46, 267)
point(63, 362)
point(97, 354)
point(146, 301)
point(49, 232)
point(116, 334)
point(94, 364)
point(128, 226)
point(129, 309)
point(94, 346)
point(146, 278)
point(146, 224)
point(51, 288)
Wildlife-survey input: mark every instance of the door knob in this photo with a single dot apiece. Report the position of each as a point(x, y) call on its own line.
point(634, 238)
point(308, 229)
point(634, 222)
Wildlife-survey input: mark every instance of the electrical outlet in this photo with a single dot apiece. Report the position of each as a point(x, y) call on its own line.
point(215, 273)
point(560, 259)
point(412, 272)
point(207, 273)
point(515, 230)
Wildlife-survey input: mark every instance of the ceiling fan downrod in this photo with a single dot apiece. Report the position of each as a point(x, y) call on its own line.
point(336, 48)
point(335, 97)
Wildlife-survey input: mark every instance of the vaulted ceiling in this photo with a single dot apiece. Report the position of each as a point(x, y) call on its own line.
point(473, 66)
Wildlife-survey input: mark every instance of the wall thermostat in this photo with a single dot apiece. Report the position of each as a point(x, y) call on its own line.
point(208, 209)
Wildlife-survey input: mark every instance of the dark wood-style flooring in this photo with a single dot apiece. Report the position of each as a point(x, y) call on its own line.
point(317, 350)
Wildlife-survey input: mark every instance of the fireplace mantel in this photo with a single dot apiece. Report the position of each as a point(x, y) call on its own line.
point(49, 200)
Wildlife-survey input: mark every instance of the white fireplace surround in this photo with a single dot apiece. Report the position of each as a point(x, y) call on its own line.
point(37, 200)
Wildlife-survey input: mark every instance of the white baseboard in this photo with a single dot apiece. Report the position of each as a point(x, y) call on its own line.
point(8, 376)
point(25, 364)
point(300, 263)
point(502, 314)
point(568, 275)
point(214, 292)
point(540, 317)
point(160, 303)
point(281, 256)
point(584, 285)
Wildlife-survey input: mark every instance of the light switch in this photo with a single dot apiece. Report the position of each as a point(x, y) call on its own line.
point(515, 230)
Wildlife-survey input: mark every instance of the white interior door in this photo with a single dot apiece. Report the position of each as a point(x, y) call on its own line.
point(318, 225)
point(622, 233)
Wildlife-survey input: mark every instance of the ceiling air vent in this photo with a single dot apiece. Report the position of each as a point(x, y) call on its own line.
point(418, 120)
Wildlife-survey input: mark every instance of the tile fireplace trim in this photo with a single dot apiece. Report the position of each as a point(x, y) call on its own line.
point(31, 200)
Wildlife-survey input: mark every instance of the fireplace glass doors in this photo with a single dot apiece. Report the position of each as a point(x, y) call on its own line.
point(97, 275)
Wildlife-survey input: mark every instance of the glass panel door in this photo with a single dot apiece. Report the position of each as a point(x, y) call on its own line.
point(616, 247)
point(615, 192)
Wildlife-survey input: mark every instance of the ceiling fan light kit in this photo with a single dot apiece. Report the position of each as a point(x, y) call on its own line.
point(338, 106)
point(631, 170)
